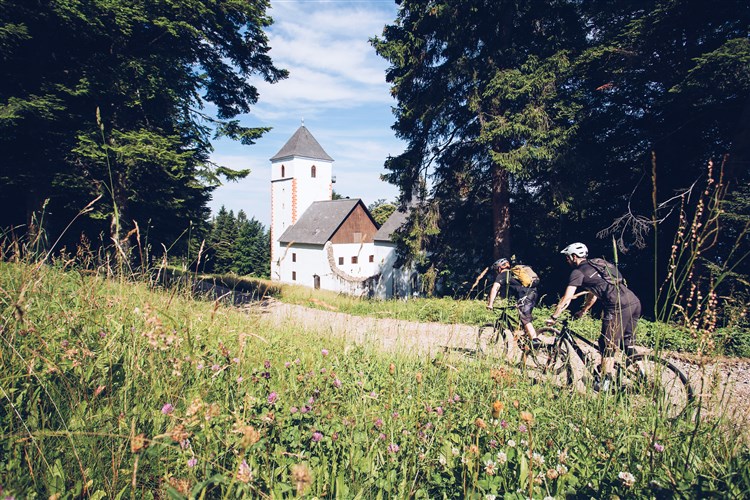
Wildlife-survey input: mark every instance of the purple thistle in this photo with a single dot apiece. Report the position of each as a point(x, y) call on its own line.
point(317, 436)
point(659, 448)
point(324, 352)
point(272, 398)
point(393, 448)
point(192, 462)
point(167, 409)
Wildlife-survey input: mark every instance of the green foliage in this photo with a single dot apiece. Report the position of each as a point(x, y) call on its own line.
point(132, 393)
point(381, 210)
point(106, 97)
point(238, 245)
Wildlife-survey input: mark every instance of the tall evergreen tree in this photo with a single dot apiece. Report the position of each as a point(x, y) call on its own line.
point(252, 249)
point(107, 97)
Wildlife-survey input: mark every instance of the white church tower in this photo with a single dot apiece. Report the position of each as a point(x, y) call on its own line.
point(301, 173)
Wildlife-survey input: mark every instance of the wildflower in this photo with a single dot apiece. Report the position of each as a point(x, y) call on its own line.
point(65, 344)
point(511, 443)
point(527, 417)
point(561, 469)
point(562, 456)
point(293, 410)
point(323, 370)
point(474, 449)
point(337, 383)
point(266, 375)
point(272, 398)
point(236, 361)
point(537, 459)
point(378, 423)
point(287, 364)
point(455, 451)
point(297, 361)
point(199, 366)
point(439, 411)
point(497, 407)
point(659, 448)
point(490, 467)
point(305, 409)
point(418, 377)
point(240, 379)
point(480, 423)
point(627, 479)
point(335, 436)
point(442, 460)
point(489, 496)
point(250, 436)
point(167, 409)
point(102, 334)
point(244, 473)
point(317, 436)
point(374, 395)
point(552, 474)
point(522, 428)
point(324, 352)
point(301, 478)
point(215, 367)
point(456, 398)
point(502, 457)
point(267, 364)
point(394, 415)
point(192, 462)
point(393, 448)
point(503, 424)
point(311, 401)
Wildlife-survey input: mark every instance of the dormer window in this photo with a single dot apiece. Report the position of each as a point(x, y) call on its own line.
point(312, 171)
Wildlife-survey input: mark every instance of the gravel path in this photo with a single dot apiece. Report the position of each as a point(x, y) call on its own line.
point(724, 383)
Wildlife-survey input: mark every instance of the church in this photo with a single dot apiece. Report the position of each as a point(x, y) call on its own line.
point(329, 244)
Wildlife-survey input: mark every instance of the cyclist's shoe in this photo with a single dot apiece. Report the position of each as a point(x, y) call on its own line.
point(605, 385)
point(537, 343)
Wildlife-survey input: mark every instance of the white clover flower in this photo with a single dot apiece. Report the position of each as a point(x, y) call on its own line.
point(562, 456)
point(537, 460)
point(501, 457)
point(511, 443)
point(561, 469)
point(455, 451)
point(442, 460)
point(490, 497)
point(490, 467)
point(627, 479)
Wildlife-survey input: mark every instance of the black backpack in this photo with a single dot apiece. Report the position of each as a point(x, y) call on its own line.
point(607, 271)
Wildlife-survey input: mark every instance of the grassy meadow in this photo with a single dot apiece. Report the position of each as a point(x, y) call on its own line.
point(112, 388)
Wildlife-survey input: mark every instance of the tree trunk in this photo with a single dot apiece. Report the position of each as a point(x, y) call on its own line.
point(500, 213)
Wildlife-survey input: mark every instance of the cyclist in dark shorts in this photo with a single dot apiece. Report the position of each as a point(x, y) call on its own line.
point(622, 309)
point(526, 297)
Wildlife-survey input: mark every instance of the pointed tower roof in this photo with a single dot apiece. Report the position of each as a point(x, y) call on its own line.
point(303, 144)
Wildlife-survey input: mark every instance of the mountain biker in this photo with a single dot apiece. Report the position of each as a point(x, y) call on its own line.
point(526, 296)
point(622, 308)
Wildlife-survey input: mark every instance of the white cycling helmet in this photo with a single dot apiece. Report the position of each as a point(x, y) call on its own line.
point(577, 249)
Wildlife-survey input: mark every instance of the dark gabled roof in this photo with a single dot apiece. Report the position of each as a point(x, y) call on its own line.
point(303, 144)
point(319, 222)
point(395, 221)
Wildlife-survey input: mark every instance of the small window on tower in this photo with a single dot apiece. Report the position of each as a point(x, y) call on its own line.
point(294, 257)
point(283, 171)
point(312, 171)
point(294, 275)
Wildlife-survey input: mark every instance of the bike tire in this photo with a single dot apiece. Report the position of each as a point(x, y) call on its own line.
point(551, 360)
point(654, 378)
point(491, 341)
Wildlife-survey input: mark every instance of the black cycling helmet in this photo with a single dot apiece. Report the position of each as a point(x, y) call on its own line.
point(500, 262)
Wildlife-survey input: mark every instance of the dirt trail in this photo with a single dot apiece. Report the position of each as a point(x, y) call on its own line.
point(724, 383)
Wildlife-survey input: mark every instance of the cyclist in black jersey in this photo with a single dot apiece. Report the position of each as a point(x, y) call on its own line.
point(622, 308)
point(526, 297)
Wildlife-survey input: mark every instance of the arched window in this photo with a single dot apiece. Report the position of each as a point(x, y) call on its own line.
point(283, 171)
point(312, 171)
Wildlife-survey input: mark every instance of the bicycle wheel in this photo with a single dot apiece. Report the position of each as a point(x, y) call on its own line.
point(657, 381)
point(550, 359)
point(491, 341)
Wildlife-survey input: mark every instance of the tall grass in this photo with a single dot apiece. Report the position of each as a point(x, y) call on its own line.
point(112, 389)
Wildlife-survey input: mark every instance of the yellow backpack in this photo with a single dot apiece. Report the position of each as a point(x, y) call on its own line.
point(525, 275)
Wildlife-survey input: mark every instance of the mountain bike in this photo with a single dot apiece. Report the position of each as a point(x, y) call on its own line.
point(644, 375)
point(492, 338)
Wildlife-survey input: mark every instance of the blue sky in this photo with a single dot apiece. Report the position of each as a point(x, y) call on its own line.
point(337, 85)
